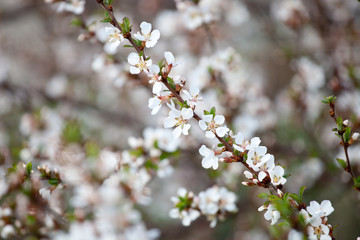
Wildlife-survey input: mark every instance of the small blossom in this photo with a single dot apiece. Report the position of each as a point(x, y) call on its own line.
point(271, 213)
point(139, 64)
point(179, 119)
point(355, 136)
point(114, 38)
point(276, 176)
point(254, 157)
point(267, 165)
point(210, 159)
point(320, 210)
point(346, 122)
point(192, 97)
point(156, 102)
point(317, 230)
point(155, 79)
point(211, 125)
point(187, 216)
point(170, 59)
point(150, 38)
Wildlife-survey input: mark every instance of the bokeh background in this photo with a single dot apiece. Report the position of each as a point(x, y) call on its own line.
point(265, 65)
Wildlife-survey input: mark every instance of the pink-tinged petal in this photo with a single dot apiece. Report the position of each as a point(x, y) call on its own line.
point(185, 129)
point(169, 122)
point(219, 119)
point(145, 27)
point(221, 131)
point(157, 88)
point(170, 59)
point(209, 134)
point(187, 113)
point(202, 125)
point(134, 70)
point(207, 118)
point(177, 132)
point(133, 58)
point(261, 176)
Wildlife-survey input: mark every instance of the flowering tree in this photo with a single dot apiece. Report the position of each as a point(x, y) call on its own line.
point(180, 80)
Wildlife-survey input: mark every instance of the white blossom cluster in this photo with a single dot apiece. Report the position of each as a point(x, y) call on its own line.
point(213, 203)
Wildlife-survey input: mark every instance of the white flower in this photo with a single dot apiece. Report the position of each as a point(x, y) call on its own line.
point(209, 201)
point(267, 165)
point(227, 200)
point(114, 38)
point(276, 176)
point(156, 102)
point(139, 64)
point(211, 125)
point(240, 142)
point(150, 38)
point(271, 213)
point(317, 210)
point(155, 79)
point(187, 216)
point(74, 6)
point(254, 157)
point(170, 59)
point(164, 168)
point(355, 136)
point(192, 98)
point(295, 235)
point(210, 159)
point(179, 119)
point(317, 230)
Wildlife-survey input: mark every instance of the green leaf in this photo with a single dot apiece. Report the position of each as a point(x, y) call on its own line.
point(212, 111)
point(71, 132)
point(339, 123)
point(77, 22)
point(301, 193)
point(92, 149)
point(295, 197)
point(53, 181)
point(125, 25)
point(341, 162)
point(150, 165)
point(28, 169)
point(329, 100)
point(136, 152)
point(128, 46)
point(263, 195)
point(107, 18)
point(347, 134)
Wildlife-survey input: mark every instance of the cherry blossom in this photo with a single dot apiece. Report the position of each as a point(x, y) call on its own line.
point(139, 64)
point(271, 213)
point(317, 230)
point(210, 159)
point(192, 97)
point(150, 38)
point(254, 157)
point(211, 125)
point(155, 79)
point(114, 38)
point(74, 6)
point(276, 176)
point(179, 119)
point(320, 210)
point(267, 165)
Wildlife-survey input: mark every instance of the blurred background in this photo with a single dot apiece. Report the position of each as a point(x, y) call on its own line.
point(265, 65)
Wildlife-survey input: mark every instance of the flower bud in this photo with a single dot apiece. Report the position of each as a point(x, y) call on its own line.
point(355, 136)
point(346, 123)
